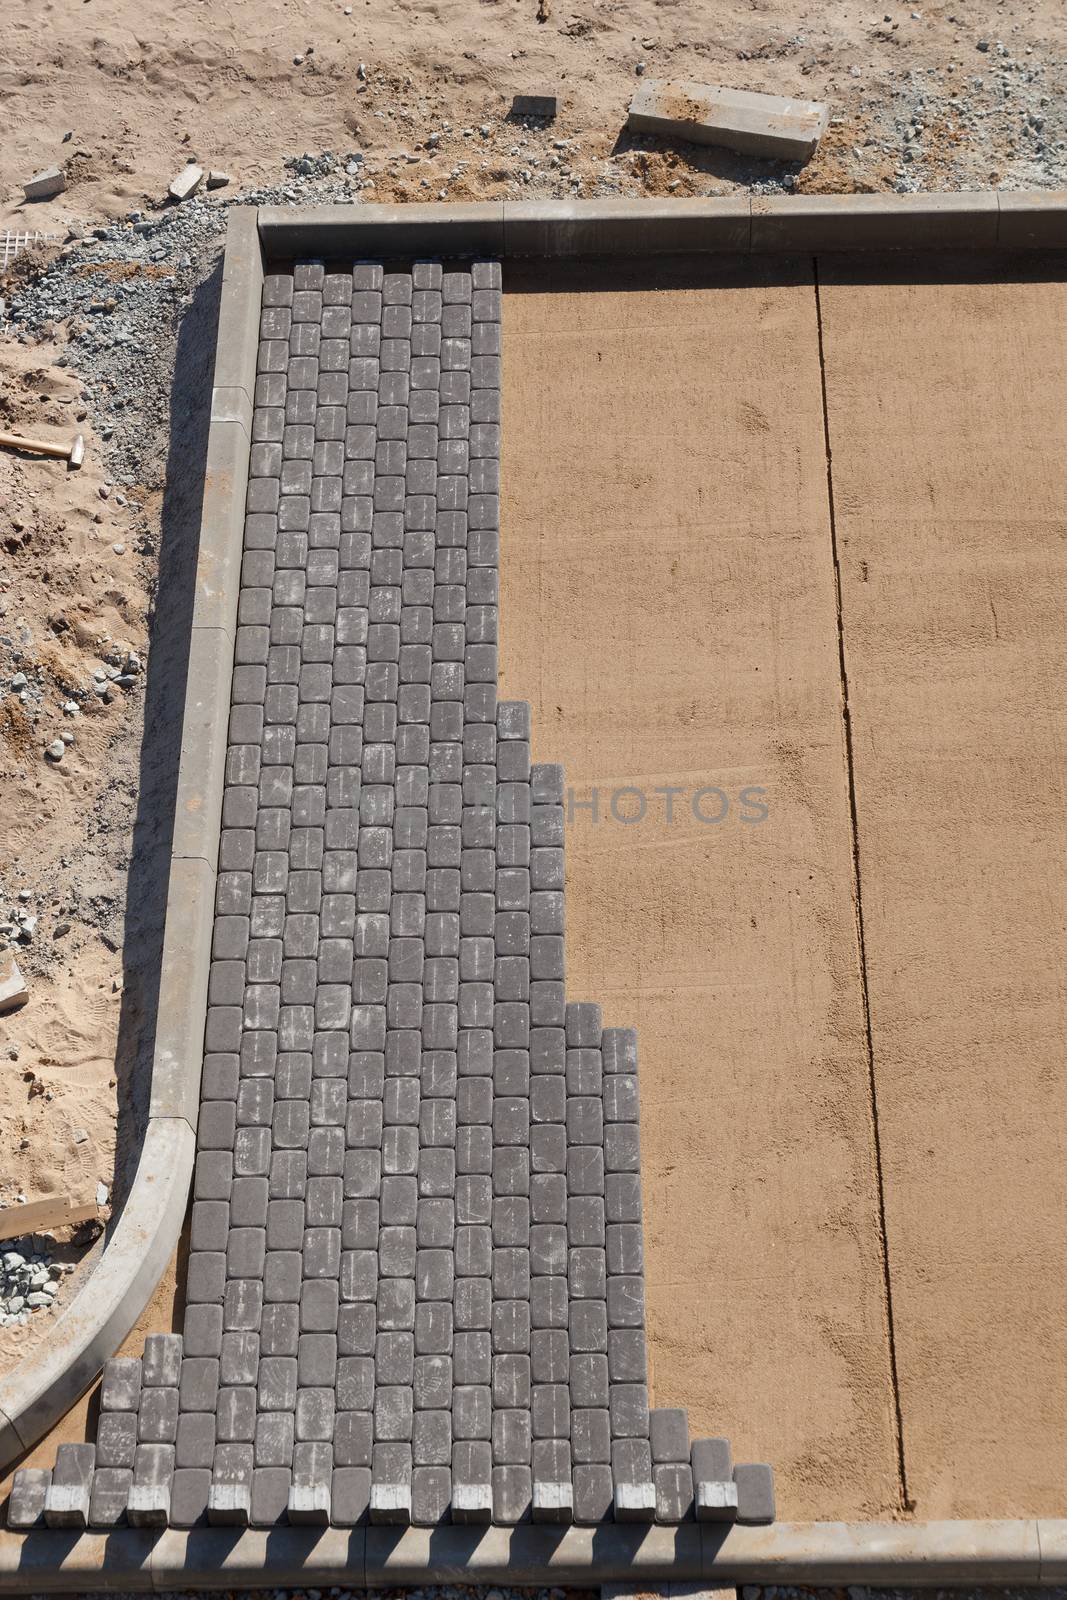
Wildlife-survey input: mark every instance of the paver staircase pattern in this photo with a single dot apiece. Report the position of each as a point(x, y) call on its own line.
point(415, 1285)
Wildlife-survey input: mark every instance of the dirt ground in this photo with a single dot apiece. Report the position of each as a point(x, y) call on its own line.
point(669, 606)
point(73, 599)
point(956, 93)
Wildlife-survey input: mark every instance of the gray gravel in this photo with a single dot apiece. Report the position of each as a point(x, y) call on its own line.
point(29, 1279)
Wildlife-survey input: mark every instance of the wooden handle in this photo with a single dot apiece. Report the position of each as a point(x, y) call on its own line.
point(15, 442)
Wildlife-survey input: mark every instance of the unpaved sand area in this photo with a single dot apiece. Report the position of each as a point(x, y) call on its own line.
point(850, 1011)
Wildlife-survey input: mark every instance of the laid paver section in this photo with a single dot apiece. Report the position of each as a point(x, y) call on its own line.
point(415, 1288)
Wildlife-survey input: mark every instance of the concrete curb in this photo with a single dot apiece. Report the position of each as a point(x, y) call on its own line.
point(735, 223)
point(914, 1555)
point(41, 1389)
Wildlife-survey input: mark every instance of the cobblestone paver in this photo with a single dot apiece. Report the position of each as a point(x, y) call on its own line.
point(415, 1287)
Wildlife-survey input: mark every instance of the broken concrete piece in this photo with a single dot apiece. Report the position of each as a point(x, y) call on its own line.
point(752, 124)
point(13, 990)
point(187, 182)
point(218, 180)
point(541, 103)
point(43, 185)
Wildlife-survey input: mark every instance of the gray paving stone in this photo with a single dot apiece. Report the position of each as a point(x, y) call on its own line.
point(669, 1433)
point(593, 1493)
point(674, 1491)
point(66, 1501)
point(755, 1492)
point(415, 1287)
point(26, 1503)
point(109, 1497)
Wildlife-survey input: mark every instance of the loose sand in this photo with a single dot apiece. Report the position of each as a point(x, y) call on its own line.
point(949, 438)
point(668, 605)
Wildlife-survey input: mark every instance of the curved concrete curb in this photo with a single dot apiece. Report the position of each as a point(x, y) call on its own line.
point(924, 1554)
point(738, 223)
point(41, 1389)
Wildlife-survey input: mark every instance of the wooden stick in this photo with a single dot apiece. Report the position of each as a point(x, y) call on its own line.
point(56, 1212)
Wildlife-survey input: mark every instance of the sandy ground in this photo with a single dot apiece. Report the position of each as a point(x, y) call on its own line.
point(669, 607)
point(70, 602)
point(948, 469)
point(137, 90)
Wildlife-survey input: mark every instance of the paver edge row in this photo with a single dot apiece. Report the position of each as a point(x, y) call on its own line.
point(41, 1389)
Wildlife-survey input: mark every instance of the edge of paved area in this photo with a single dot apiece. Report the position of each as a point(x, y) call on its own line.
point(895, 1554)
point(41, 1389)
point(988, 220)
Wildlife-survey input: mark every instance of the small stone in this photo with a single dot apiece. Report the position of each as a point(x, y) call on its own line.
point(640, 69)
point(186, 183)
point(67, 736)
point(25, 894)
point(19, 681)
point(298, 61)
point(13, 992)
point(101, 1194)
point(80, 1136)
point(71, 708)
point(56, 750)
point(218, 180)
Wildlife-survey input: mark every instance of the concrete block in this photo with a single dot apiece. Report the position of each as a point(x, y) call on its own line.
point(148, 1505)
point(472, 1502)
point(875, 222)
point(203, 752)
point(390, 230)
point(43, 185)
point(107, 1503)
point(390, 1504)
point(736, 119)
point(1032, 221)
point(535, 103)
point(25, 1507)
point(229, 1504)
point(552, 1502)
point(13, 988)
point(715, 1501)
point(222, 519)
point(186, 183)
point(635, 1502)
point(309, 1504)
point(625, 227)
point(66, 1500)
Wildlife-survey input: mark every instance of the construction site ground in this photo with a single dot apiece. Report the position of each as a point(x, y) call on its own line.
point(781, 567)
point(850, 1012)
point(862, 1116)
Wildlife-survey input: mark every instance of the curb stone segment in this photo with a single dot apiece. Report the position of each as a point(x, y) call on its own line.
point(415, 1287)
